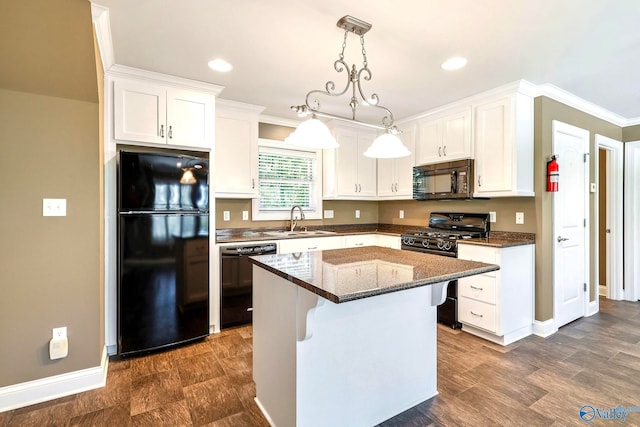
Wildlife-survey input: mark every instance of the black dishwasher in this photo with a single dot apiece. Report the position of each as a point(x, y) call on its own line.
point(236, 281)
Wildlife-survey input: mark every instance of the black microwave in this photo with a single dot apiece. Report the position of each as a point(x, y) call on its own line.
point(446, 180)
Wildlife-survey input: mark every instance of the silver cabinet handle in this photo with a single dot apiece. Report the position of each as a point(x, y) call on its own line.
point(312, 248)
point(476, 288)
point(439, 151)
point(392, 190)
point(562, 239)
point(444, 150)
point(475, 314)
point(170, 132)
point(479, 180)
point(253, 183)
point(356, 187)
point(161, 131)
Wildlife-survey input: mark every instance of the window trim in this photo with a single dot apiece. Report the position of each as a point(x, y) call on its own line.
point(275, 215)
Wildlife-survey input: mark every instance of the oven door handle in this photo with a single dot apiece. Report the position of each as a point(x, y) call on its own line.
point(454, 182)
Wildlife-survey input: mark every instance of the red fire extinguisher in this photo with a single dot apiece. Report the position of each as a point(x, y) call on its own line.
point(553, 174)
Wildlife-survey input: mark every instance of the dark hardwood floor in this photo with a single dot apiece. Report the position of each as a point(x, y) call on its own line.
point(594, 361)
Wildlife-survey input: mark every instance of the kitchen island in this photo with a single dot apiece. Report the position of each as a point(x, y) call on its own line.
point(347, 337)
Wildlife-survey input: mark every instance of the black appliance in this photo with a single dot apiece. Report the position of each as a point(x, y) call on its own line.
point(236, 282)
point(163, 251)
point(441, 238)
point(447, 180)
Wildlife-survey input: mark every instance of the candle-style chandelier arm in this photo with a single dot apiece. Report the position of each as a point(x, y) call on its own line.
point(354, 81)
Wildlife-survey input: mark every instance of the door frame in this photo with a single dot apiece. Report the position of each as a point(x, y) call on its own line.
point(631, 220)
point(615, 158)
point(558, 126)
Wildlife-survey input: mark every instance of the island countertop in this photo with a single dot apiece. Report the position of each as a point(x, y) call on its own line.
point(343, 275)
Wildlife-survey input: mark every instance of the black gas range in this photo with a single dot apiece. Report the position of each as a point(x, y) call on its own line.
point(443, 232)
point(441, 238)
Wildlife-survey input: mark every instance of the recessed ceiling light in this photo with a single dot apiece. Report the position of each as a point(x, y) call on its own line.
point(220, 65)
point(454, 63)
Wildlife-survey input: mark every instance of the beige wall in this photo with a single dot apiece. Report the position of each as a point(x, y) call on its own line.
point(631, 133)
point(51, 271)
point(49, 266)
point(547, 110)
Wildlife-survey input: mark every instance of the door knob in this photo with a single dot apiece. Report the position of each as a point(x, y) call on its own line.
point(562, 239)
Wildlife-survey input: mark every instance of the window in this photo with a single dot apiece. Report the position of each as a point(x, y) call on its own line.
point(287, 176)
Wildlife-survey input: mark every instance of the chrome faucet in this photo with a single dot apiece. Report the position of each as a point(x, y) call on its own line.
point(293, 221)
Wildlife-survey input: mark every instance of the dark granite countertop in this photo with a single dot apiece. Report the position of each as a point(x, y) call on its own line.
point(502, 239)
point(343, 275)
point(239, 235)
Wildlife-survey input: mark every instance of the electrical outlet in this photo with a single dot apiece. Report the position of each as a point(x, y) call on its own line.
point(492, 217)
point(401, 214)
point(357, 213)
point(328, 213)
point(519, 217)
point(54, 207)
point(245, 215)
point(59, 332)
point(226, 216)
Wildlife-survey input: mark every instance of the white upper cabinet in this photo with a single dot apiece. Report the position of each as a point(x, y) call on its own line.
point(395, 176)
point(347, 173)
point(444, 137)
point(157, 114)
point(236, 153)
point(504, 146)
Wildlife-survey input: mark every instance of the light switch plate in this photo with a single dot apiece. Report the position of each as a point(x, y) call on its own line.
point(519, 217)
point(54, 207)
point(357, 213)
point(328, 213)
point(226, 216)
point(401, 214)
point(593, 187)
point(492, 217)
point(245, 215)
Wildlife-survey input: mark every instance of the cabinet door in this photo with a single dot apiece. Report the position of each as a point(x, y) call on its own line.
point(139, 112)
point(346, 164)
point(404, 165)
point(236, 159)
point(190, 118)
point(367, 171)
point(429, 147)
point(387, 177)
point(494, 142)
point(456, 136)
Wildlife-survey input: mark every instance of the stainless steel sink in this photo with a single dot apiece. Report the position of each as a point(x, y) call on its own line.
point(299, 233)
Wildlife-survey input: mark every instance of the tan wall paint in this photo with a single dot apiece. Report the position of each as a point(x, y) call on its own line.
point(545, 111)
point(49, 266)
point(417, 213)
point(344, 213)
point(631, 133)
point(47, 48)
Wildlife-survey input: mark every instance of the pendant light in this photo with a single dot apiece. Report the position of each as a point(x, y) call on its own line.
point(311, 134)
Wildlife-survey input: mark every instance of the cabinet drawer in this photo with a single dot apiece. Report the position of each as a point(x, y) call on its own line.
point(476, 313)
point(481, 287)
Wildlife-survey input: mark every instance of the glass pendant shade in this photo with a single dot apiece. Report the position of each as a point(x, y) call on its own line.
point(187, 177)
point(312, 133)
point(387, 146)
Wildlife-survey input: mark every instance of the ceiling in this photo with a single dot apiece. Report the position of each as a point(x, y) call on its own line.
point(282, 49)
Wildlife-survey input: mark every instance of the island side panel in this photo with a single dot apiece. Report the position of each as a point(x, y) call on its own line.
point(274, 347)
point(366, 360)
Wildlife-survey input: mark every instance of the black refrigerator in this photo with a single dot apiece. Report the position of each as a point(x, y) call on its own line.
point(163, 251)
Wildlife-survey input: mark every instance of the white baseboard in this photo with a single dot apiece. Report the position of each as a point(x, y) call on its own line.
point(41, 390)
point(544, 329)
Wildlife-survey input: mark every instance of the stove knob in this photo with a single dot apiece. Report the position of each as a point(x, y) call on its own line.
point(440, 244)
point(425, 243)
point(408, 241)
point(447, 246)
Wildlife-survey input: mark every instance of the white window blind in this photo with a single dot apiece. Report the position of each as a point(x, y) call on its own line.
point(286, 178)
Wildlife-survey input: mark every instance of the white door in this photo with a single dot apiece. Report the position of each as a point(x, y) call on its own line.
point(570, 214)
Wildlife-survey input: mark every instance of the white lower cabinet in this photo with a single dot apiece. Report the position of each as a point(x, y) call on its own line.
point(388, 241)
point(498, 305)
point(288, 246)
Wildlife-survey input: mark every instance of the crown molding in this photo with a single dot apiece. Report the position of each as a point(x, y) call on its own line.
point(102, 28)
